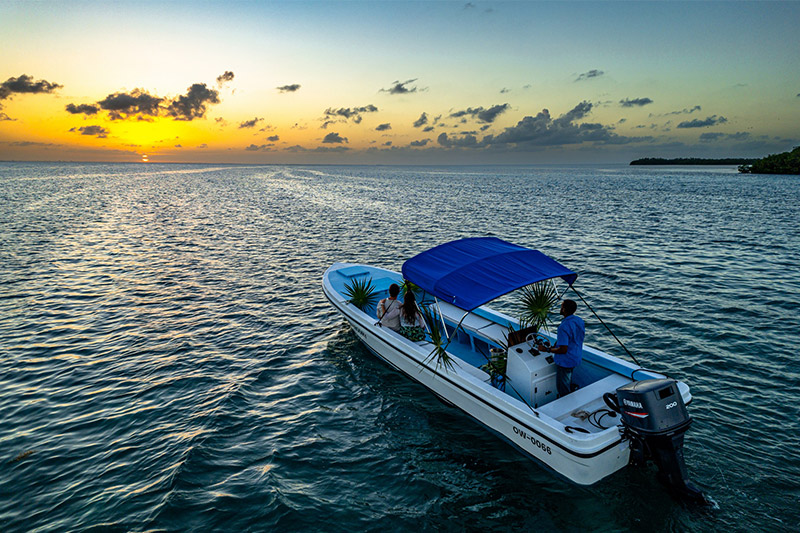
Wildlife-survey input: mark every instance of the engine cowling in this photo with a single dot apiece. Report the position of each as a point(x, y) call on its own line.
point(655, 419)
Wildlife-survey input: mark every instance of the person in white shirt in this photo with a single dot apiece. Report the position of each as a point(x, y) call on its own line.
point(388, 304)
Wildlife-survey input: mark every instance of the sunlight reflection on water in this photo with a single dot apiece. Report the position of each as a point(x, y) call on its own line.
point(169, 361)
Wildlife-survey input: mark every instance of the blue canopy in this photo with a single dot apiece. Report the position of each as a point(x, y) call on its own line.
point(471, 272)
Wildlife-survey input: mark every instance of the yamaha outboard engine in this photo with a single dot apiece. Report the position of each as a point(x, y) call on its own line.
point(654, 418)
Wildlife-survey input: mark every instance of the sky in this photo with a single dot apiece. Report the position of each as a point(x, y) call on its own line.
point(390, 82)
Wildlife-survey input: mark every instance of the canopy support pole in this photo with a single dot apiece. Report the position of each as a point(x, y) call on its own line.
point(606, 326)
point(441, 317)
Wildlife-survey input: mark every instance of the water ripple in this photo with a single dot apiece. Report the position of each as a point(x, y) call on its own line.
point(169, 363)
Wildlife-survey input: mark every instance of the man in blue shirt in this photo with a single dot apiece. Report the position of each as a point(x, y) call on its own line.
point(568, 346)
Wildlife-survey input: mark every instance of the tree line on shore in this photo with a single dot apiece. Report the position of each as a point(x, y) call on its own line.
point(785, 163)
point(693, 161)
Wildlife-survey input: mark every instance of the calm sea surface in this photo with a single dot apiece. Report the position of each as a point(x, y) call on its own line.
point(168, 361)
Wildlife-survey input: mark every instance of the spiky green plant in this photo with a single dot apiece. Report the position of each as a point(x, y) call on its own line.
point(438, 340)
point(409, 286)
point(497, 363)
point(538, 300)
point(361, 293)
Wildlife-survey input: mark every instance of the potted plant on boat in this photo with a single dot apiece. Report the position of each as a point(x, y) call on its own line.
point(361, 293)
point(439, 341)
point(497, 363)
point(538, 301)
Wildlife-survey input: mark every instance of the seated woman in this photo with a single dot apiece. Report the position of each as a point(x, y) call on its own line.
point(386, 305)
point(412, 325)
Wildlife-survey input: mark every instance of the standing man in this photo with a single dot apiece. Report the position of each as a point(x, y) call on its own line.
point(387, 304)
point(568, 347)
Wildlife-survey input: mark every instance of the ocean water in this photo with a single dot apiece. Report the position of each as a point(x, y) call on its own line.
point(169, 363)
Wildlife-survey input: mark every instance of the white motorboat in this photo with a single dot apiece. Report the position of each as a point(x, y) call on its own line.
point(620, 413)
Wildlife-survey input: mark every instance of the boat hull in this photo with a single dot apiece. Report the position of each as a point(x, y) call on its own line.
point(581, 458)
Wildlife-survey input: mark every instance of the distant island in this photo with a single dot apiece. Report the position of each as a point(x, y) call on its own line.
point(785, 163)
point(693, 161)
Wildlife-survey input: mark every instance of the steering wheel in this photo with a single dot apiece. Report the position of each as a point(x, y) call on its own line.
point(530, 339)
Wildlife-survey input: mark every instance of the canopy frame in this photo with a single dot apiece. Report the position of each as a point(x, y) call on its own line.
point(471, 272)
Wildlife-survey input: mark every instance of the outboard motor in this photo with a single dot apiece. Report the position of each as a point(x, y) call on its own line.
point(655, 419)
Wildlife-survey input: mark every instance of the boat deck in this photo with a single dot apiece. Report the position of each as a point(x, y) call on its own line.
point(582, 411)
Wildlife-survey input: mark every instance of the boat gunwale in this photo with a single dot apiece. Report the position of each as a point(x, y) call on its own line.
point(580, 440)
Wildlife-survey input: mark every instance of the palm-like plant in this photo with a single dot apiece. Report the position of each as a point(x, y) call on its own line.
point(361, 293)
point(497, 363)
point(438, 340)
point(409, 286)
point(537, 301)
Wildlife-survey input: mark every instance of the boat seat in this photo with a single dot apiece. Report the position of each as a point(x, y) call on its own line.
point(562, 408)
point(474, 323)
point(382, 284)
point(353, 271)
point(495, 332)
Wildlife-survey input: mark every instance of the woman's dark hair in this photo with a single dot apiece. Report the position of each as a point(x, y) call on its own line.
point(409, 307)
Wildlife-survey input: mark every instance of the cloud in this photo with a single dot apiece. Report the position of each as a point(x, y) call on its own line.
point(428, 129)
point(716, 136)
point(294, 87)
point(250, 123)
point(347, 112)
point(4, 117)
point(421, 142)
point(330, 149)
point(685, 111)
point(223, 78)
point(343, 114)
point(543, 130)
point(468, 141)
point(142, 105)
point(504, 90)
point(138, 102)
point(334, 138)
point(319, 149)
point(697, 123)
point(86, 109)
point(273, 138)
point(259, 148)
point(25, 84)
point(594, 73)
point(483, 115)
point(383, 127)
point(399, 87)
point(635, 102)
point(421, 121)
point(94, 131)
point(26, 144)
point(193, 104)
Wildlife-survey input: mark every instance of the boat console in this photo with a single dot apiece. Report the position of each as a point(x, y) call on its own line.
point(532, 374)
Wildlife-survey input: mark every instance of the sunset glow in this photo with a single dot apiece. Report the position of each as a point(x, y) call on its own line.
point(397, 82)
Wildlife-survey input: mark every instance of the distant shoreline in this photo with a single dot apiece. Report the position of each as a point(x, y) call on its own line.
point(692, 161)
